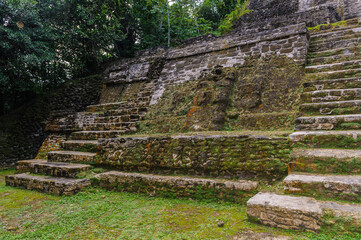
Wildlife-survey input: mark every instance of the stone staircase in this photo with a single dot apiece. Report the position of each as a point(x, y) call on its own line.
point(107, 120)
point(325, 162)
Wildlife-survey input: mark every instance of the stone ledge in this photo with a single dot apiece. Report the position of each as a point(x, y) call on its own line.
point(326, 161)
point(346, 187)
point(285, 211)
point(176, 186)
point(289, 212)
point(57, 186)
point(70, 156)
point(56, 169)
point(232, 155)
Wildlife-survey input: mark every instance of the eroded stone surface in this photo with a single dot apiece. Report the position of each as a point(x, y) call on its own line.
point(232, 155)
point(57, 186)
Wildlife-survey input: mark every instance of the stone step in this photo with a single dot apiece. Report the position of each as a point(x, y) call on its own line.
point(70, 156)
point(52, 185)
point(335, 43)
point(178, 186)
point(118, 119)
point(338, 58)
point(316, 160)
point(117, 106)
point(290, 212)
point(346, 187)
point(337, 36)
point(329, 95)
point(332, 108)
point(330, 28)
point(348, 73)
point(105, 106)
point(92, 135)
point(140, 111)
point(81, 145)
point(126, 126)
point(343, 83)
point(353, 64)
point(336, 122)
point(55, 169)
point(353, 50)
point(346, 139)
point(338, 33)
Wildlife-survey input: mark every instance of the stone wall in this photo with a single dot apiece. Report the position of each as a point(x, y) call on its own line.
point(23, 132)
point(232, 156)
point(272, 14)
point(186, 63)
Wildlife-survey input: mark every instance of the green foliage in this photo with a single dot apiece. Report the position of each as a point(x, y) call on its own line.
point(28, 58)
point(44, 43)
point(227, 23)
point(99, 214)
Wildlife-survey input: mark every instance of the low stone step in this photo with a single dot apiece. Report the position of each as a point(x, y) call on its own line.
point(52, 185)
point(335, 122)
point(70, 156)
point(353, 64)
point(329, 95)
point(126, 126)
point(55, 169)
point(351, 33)
point(118, 105)
point(118, 119)
point(336, 34)
point(290, 212)
point(350, 139)
point(331, 28)
point(81, 145)
point(332, 108)
point(178, 186)
point(353, 50)
point(348, 73)
point(92, 135)
point(343, 83)
point(105, 106)
point(140, 111)
point(316, 160)
point(338, 58)
point(336, 43)
point(346, 187)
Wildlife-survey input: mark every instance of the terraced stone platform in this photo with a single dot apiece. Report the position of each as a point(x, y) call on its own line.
point(178, 186)
point(325, 161)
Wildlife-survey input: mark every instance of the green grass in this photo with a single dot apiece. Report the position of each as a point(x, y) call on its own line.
point(98, 214)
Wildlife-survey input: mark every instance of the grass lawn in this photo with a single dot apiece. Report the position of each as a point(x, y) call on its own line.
point(99, 214)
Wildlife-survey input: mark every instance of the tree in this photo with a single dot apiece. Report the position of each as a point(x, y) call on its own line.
point(44, 42)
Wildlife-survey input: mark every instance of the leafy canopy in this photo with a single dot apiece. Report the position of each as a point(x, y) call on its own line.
point(44, 42)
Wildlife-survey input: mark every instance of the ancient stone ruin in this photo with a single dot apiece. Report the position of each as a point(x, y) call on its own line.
point(220, 117)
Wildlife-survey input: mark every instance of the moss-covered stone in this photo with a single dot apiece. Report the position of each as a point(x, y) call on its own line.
point(212, 155)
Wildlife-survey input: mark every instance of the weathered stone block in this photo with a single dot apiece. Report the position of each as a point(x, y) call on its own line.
point(178, 186)
point(57, 186)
